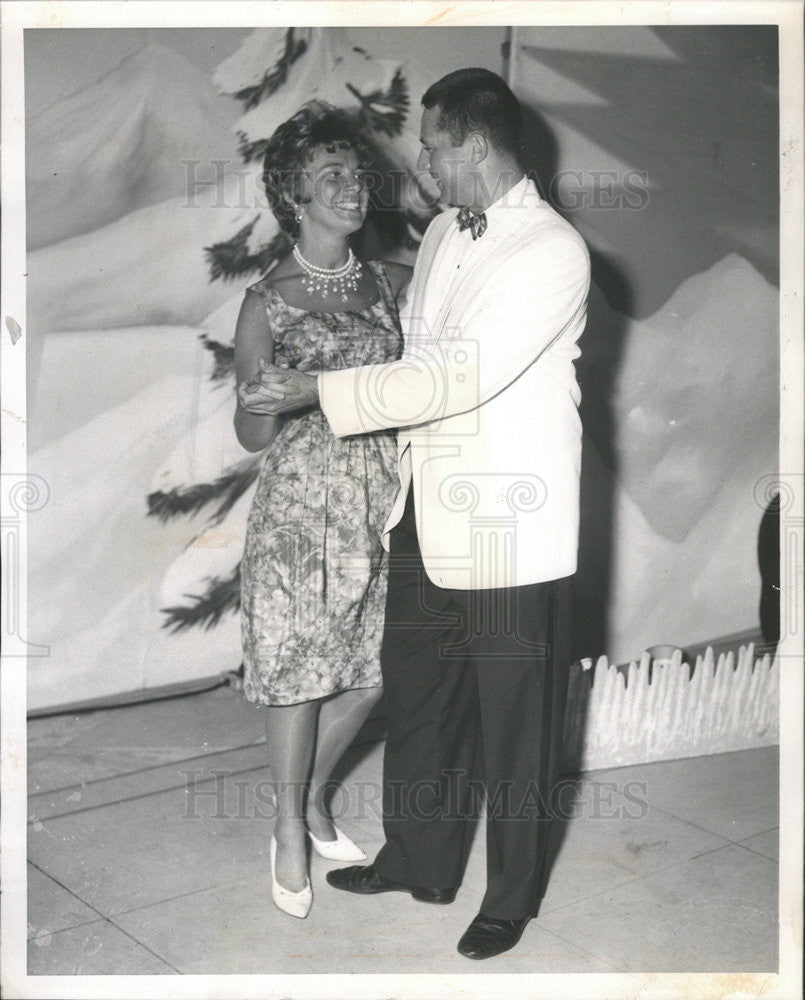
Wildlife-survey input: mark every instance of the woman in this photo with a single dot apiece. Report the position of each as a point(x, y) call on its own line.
point(313, 570)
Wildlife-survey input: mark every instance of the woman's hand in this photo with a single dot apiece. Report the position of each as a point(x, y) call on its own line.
point(250, 395)
point(274, 390)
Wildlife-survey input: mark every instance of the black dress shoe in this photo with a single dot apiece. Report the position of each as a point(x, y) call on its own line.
point(488, 936)
point(364, 880)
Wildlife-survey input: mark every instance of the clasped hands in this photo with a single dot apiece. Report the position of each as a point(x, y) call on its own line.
point(274, 390)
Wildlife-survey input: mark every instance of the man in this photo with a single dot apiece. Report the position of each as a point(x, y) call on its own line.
point(483, 533)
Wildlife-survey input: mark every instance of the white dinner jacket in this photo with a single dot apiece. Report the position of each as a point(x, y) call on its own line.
point(485, 400)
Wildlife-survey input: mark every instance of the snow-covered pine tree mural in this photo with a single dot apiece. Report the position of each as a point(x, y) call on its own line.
point(208, 478)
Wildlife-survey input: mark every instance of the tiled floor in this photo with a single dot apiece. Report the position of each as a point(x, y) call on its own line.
point(148, 838)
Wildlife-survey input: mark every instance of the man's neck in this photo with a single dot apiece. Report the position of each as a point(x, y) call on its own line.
point(495, 182)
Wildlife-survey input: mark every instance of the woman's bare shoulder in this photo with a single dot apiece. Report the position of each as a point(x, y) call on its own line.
point(283, 277)
point(280, 273)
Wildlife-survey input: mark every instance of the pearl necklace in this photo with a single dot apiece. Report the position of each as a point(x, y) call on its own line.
point(317, 279)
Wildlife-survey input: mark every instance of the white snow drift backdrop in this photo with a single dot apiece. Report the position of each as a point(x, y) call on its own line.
point(659, 144)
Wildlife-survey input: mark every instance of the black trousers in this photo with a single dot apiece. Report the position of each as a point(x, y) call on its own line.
point(475, 684)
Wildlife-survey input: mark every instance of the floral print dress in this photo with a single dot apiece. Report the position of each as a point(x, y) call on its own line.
point(313, 574)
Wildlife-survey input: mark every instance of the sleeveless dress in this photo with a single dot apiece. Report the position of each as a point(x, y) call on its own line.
point(313, 574)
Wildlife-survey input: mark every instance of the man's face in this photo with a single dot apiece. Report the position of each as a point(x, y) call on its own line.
point(447, 164)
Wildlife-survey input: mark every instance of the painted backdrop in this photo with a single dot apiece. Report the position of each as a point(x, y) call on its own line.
point(146, 220)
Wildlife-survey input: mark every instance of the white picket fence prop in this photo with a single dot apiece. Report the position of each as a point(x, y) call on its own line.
point(665, 710)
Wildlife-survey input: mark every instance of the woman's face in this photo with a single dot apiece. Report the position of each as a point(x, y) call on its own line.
point(333, 190)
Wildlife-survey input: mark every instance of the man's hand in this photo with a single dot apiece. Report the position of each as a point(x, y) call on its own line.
point(274, 390)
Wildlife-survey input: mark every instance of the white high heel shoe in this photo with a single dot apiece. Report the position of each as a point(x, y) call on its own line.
point(297, 904)
point(340, 849)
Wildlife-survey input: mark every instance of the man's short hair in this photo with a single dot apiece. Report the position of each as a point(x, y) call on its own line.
point(476, 100)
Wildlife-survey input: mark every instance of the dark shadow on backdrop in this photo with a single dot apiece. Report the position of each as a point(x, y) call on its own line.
point(602, 348)
point(768, 552)
point(597, 370)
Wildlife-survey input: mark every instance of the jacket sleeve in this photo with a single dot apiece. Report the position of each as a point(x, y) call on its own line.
point(536, 296)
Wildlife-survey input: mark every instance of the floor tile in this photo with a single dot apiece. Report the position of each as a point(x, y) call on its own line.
point(237, 929)
point(51, 907)
point(767, 843)
point(612, 836)
point(713, 913)
point(52, 732)
point(146, 780)
point(95, 949)
point(539, 951)
point(181, 867)
point(734, 795)
point(138, 852)
point(67, 750)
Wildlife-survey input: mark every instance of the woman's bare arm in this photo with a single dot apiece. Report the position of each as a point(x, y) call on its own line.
point(253, 341)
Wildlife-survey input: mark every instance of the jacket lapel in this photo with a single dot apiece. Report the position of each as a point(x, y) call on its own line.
point(467, 285)
point(424, 262)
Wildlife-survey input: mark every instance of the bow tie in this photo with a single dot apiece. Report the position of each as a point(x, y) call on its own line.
point(474, 221)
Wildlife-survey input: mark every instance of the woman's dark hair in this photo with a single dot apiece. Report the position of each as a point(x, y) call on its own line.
point(317, 125)
point(476, 100)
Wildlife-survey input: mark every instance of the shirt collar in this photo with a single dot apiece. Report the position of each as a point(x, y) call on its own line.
point(522, 195)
